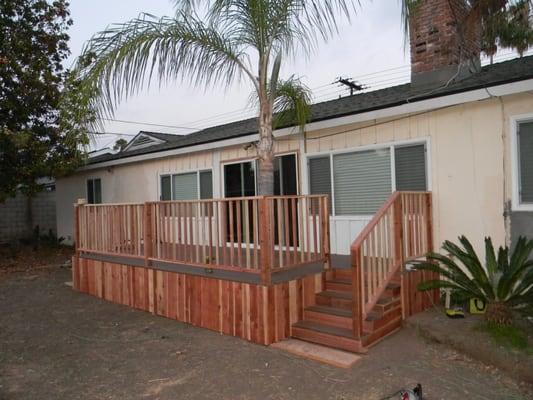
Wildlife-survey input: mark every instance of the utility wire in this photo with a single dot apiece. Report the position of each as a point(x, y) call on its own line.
point(147, 123)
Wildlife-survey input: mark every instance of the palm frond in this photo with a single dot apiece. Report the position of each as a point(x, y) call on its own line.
point(122, 59)
point(519, 266)
point(471, 262)
point(291, 103)
point(408, 9)
point(446, 268)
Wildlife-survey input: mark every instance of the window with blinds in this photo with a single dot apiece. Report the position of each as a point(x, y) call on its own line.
point(525, 161)
point(362, 181)
point(320, 176)
point(188, 186)
point(185, 186)
point(410, 167)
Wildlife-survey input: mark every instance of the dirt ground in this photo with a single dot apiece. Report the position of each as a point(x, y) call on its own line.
point(465, 336)
point(59, 344)
point(16, 257)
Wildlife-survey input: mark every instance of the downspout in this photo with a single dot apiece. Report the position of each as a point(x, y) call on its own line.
point(505, 144)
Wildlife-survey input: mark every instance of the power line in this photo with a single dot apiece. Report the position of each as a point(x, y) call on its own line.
point(111, 133)
point(123, 121)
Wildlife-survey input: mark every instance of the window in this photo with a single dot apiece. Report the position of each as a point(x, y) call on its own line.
point(410, 164)
point(187, 186)
point(285, 180)
point(363, 180)
point(206, 184)
point(524, 143)
point(94, 191)
point(239, 179)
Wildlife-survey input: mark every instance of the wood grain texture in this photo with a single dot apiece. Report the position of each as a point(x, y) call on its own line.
point(255, 313)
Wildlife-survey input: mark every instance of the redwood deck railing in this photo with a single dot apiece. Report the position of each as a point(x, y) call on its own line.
point(256, 235)
point(400, 231)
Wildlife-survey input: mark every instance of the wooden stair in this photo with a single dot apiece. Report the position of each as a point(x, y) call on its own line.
point(329, 322)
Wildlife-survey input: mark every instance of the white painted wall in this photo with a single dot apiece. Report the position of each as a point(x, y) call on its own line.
point(469, 168)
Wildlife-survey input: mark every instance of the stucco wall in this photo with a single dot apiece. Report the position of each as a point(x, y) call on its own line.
point(468, 160)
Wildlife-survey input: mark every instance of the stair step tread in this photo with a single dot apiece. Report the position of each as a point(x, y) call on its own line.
point(339, 280)
point(392, 285)
point(387, 300)
point(340, 312)
point(375, 316)
point(336, 294)
point(327, 329)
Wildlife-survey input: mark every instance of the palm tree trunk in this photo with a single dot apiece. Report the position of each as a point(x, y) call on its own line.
point(265, 176)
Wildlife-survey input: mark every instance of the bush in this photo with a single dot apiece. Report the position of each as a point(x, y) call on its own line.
point(504, 282)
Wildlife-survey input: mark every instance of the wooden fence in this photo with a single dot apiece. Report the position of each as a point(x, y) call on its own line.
point(255, 235)
point(400, 231)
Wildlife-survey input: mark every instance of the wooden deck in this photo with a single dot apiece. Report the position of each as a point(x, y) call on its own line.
point(258, 268)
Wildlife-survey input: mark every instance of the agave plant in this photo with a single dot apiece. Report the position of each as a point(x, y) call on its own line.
point(504, 282)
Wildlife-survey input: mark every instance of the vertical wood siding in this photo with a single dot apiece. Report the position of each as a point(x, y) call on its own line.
point(259, 314)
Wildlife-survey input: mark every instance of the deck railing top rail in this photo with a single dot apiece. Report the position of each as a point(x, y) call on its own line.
point(259, 235)
point(401, 230)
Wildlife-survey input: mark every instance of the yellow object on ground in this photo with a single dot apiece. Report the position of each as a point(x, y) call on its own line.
point(477, 306)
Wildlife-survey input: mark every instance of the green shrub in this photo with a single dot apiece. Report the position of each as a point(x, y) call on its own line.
point(504, 282)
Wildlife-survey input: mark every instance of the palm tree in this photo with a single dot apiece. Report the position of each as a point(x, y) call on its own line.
point(221, 47)
point(504, 281)
point(502, 23)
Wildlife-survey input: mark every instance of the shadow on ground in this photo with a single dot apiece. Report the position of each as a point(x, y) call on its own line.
point(59, 344)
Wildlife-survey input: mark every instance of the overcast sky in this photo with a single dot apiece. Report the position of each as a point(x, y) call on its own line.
point(373, 42)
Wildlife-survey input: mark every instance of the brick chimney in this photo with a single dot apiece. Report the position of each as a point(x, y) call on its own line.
point(445, 44)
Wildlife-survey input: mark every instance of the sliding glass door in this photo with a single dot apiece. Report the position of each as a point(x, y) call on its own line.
point(240, 181)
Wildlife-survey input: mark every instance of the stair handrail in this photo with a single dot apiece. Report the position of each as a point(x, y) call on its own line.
point(382, 248)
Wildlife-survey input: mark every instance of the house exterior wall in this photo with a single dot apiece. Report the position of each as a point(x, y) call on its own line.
point(139, 182)
point(468, 160)
point(518, 222)
point(465, 165)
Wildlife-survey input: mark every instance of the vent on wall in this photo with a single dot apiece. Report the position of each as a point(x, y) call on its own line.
point(141, 141)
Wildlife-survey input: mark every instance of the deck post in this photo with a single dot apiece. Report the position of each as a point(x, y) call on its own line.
point(148, 253)
point(430, 244)
point(77, 205)
point(398, 248)
point(265, 229)
point(357, 295)
point(325, 230)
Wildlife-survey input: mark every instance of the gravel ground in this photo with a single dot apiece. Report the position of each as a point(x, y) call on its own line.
point(59, 344)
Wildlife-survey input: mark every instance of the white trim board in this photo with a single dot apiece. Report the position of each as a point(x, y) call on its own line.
point(515, 170)
point(403, 109)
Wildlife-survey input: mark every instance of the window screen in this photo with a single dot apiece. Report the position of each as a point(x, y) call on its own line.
point(94, 191)
point(206, 185)
point(362, 181)
point(320, 177)
point(185, 186)
point(410, 163)
point(525, 156)
point(166, 190)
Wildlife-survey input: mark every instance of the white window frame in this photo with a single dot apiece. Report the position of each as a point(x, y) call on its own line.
point(93, 178)
point(516, 204)
point(426, 141)
point(171, 174)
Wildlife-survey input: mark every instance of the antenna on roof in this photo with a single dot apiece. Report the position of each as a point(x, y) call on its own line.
point(351, 84)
